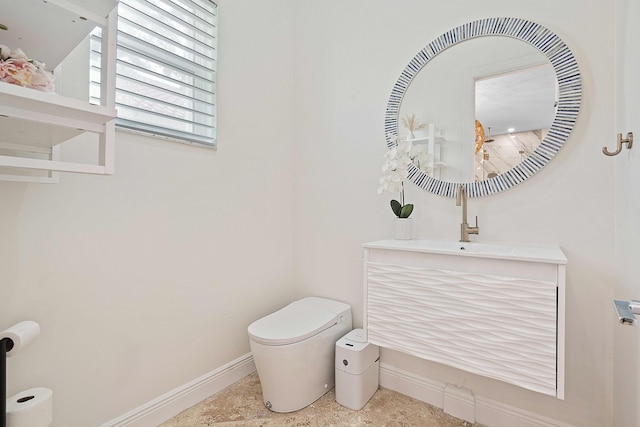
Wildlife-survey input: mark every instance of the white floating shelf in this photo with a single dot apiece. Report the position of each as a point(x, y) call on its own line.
point(37, 122)
point(419, 139)
point(49, 30)
point(46, 119)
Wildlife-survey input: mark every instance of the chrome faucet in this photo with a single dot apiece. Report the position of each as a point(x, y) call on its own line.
point(465, 230)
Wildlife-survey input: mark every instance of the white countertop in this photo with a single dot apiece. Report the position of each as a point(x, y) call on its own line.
point(533, 252)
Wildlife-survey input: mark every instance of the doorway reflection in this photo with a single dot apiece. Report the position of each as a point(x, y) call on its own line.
point(502, 152)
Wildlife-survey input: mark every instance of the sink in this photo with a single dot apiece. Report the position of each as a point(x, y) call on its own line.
point(488, 248)
point(516, 251)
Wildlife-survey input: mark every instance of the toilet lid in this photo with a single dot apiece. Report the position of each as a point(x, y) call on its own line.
point(291, 324)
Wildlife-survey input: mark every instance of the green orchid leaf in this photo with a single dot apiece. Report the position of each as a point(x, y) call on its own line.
point(396, 207)
point(406, 211)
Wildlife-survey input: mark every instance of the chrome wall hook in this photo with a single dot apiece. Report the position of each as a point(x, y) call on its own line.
point(628, 141)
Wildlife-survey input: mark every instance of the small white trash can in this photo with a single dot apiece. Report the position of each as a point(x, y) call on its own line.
point(357, 370)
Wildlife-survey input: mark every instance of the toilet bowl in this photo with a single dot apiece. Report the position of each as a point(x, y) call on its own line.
point(294, 351)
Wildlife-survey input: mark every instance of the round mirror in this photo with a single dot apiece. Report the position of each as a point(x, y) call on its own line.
point(489, 112)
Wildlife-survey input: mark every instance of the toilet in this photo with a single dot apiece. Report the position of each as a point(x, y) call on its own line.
point(294, 351)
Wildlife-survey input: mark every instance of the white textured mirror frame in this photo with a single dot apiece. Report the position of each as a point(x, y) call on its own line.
point(569, 99)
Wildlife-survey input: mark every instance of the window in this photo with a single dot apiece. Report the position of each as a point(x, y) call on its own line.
point(166, 68)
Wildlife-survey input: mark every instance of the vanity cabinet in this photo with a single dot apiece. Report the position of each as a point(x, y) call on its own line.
point(35, 123)
point(491, 310)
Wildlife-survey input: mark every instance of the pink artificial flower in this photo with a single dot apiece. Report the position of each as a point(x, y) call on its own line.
point(17, 71)
point(19, 54)
point(42, 80)
point(16, 68)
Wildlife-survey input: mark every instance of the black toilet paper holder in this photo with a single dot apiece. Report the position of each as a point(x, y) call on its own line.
point(6, 344)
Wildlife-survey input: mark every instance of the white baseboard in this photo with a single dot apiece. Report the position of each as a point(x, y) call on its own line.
point(412, 385)
point(487, 411)
point(460, 402)
point(172, 403)
point(493, 413)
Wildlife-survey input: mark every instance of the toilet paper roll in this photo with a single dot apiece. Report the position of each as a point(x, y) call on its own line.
point(21, 334)
point(31, 408)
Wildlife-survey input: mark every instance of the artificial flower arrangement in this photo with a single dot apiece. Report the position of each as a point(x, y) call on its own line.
point(16, 68)
point(395, 170)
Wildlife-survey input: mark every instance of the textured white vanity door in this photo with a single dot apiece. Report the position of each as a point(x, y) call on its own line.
point(494, 326)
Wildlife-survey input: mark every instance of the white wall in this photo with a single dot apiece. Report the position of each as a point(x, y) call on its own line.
point(627, 172)
point(348, 56)
point(146, 280)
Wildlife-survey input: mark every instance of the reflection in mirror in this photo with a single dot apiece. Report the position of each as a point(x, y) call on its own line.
point(479, 79)
point(516, 109)
point(465, 80)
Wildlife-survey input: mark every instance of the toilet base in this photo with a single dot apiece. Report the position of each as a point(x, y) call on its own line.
point(296, 375)
point(294, 351)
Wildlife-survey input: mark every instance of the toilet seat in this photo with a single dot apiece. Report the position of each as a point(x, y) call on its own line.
point(291, 324)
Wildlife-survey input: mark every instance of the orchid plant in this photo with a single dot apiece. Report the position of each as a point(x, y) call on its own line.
point(16, 68)
point(395, 169)
point(394, 172)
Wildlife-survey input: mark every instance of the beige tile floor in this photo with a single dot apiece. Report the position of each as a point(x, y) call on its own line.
point(240, 405)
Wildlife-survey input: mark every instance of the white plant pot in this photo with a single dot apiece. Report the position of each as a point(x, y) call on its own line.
point(403, 229)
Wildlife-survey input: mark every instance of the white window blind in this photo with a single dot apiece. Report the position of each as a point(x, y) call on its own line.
point(166, 68)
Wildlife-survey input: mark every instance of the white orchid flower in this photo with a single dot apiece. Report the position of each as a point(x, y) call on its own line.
point(404, 147)
point(396, 161)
